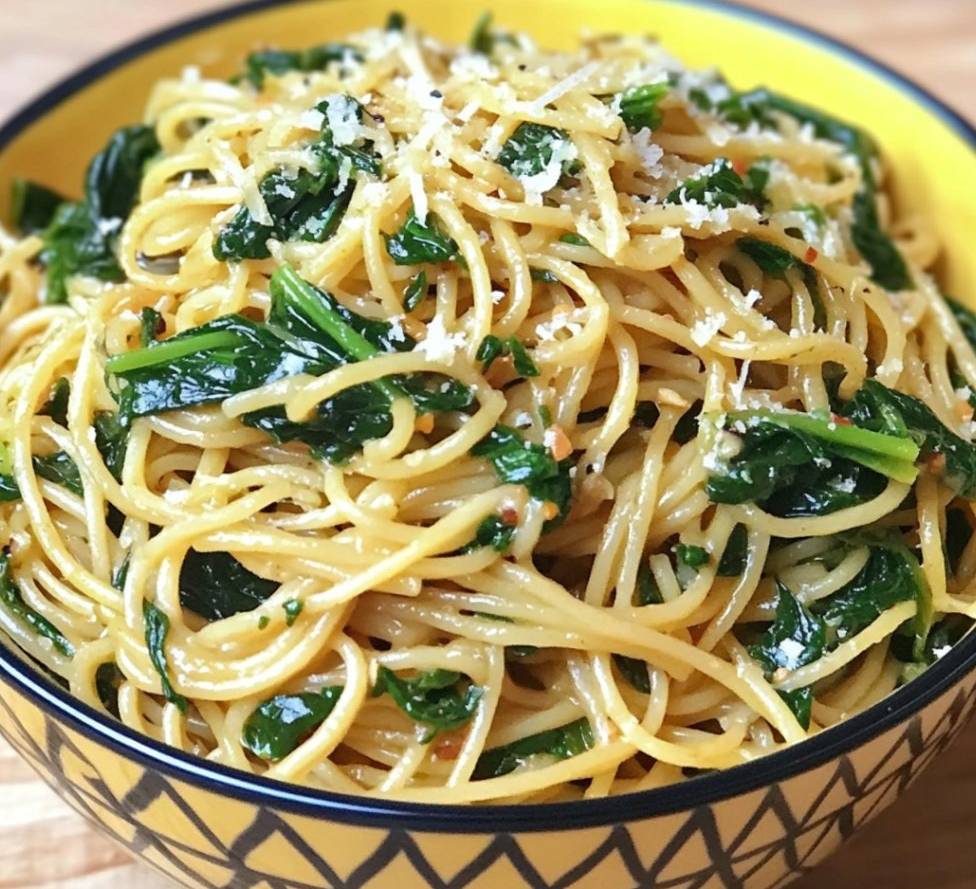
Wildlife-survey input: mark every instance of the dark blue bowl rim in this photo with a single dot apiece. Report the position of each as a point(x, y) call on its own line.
point(898, 707)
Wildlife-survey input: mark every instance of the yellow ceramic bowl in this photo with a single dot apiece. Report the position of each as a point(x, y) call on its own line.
point(753, 826)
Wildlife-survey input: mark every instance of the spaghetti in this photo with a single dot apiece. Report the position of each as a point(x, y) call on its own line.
point(481, 424)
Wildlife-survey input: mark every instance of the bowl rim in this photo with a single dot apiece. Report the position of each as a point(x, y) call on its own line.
point(897, 707)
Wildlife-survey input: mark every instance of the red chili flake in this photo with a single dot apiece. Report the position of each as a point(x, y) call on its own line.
point(510, 516)
point(811, 254)
point(740, 166)
point(838, 420)
point(448, 747)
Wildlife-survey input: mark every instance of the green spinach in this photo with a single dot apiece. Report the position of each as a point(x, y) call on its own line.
point(306, 205)
point(795, 638)
point(416, 291)
point(157, 629)
point(431, 698)
point(493, 347)
point(215, 585)
point(796, 464)
point(416, 242)
point(718, 185)
point(276, 62)
point(80, 238)
point(56, 407)
point(893, 413)
point(108, 678)
point(558, 743)
point(281, 723)
point(733, 561)
point(32, 206)
point(531, 149)
point(13, 602)
point(307, 331)
point(494, 531)
point(519, 462)
point(639, 106)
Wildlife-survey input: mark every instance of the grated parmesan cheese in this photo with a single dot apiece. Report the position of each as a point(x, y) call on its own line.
point(473, 66)
point(537, 185)
point(845, 485)
point(109, 226)
point(650, 154)
point(343, 117)
point(345, 171)
point(704, 330)
point(547, 330)
point(397, 333)
point(792, 649)
point(311, 119)
point(439, 345)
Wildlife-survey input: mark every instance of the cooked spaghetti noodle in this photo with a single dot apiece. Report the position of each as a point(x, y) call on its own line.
point(481, 424)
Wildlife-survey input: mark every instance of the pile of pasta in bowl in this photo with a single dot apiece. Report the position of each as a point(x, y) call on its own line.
point(481, 423)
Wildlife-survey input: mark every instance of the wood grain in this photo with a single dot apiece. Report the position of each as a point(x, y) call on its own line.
point(928, 840)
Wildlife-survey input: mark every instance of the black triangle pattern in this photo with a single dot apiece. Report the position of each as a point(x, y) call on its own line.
point(732, 863)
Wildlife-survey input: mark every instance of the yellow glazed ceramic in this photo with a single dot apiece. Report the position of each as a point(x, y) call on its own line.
point(755, 826)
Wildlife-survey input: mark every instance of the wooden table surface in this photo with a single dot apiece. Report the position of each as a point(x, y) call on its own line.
point(927, 841)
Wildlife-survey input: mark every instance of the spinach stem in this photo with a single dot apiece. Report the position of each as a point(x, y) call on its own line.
point(837, 433)
point(304, 297)
point(170, 350)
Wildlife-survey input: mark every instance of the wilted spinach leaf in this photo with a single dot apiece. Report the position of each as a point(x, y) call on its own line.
point(108, 678)
point(280, 61)
point(493, 347)
point(891, 575)
point(56, 407)
point(795, 638)
point(215, 585)
point(431, 698)
point(531, 149)
point(80, 239)
point(493, 531)
point(417, 242)
point(307, 331)
point(304, 205)
point(281, 723)
point(797, 464)
point(733, 561)
point(639, 106)
point(559, 743)
point(32, 206)
point(157, 629)
point(894, 413)
point(517, 461)
point(13, 602)
point(718, 185)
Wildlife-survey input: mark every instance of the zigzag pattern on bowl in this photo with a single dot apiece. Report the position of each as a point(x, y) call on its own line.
point(203, 839)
